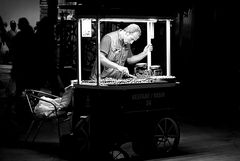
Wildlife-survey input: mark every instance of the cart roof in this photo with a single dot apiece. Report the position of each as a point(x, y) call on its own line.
point(128, 8)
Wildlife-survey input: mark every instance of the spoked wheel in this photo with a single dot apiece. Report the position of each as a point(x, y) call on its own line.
point(166, 135)
point(118, 154)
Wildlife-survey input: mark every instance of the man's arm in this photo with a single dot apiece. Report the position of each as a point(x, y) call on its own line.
point(140, 56)
point(106, 62)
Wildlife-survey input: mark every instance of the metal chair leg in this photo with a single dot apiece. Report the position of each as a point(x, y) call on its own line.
point(29, 131)
point(59, 130)
point(38, 129)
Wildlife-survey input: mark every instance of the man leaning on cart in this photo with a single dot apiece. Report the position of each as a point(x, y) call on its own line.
point(115, 50)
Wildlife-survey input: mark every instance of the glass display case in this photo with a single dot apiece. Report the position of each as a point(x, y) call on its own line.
point(154, 68)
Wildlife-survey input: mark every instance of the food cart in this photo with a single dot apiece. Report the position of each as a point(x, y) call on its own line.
point(138, 109)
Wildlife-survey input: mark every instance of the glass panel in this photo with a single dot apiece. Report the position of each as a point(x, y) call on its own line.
point(156, 32)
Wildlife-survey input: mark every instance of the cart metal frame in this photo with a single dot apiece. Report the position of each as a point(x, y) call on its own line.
point(148, 108)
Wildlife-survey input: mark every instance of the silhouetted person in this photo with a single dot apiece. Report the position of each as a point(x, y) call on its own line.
point(46, 51)
point(11, 33)
point(24, 70)
point(13, 29)
point(3, 39)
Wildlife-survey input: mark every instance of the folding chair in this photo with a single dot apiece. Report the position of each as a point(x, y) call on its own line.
point(45, 106)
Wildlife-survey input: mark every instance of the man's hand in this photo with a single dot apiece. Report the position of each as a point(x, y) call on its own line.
point(148, 48)
point(123, 70)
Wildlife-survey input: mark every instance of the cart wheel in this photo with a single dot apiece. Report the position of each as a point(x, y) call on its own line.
point(166, 135)
point(118, 154)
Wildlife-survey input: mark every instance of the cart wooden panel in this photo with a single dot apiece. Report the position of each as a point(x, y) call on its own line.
point(123, 107)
